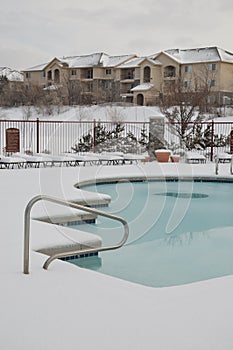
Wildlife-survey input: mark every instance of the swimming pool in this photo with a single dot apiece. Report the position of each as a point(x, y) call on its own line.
point(180, 232)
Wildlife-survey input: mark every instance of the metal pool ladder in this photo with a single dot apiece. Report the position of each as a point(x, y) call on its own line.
point(74, 252)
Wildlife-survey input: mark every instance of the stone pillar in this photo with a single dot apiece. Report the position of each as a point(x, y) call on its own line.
point(156, 135)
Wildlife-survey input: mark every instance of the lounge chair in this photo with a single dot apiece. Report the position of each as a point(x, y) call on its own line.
point(111, 158)
point(223, 157)
point(12, 162)
point(31, 161)
point(130, 158)
point(194, 157)
point(83, 159)
point(62, 160)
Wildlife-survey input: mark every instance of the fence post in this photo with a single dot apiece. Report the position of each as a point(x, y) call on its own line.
point(212, 142)
point(94, 136)
point(156, 135)
point(37, 135)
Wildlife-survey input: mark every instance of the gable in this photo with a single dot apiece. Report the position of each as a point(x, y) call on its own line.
point(166, 60)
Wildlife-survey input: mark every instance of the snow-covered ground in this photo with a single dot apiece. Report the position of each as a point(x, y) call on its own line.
point(83, 113)
point(67, 307)
point(103, 112)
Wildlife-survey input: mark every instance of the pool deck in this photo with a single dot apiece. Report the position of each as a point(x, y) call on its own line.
point(67, 307)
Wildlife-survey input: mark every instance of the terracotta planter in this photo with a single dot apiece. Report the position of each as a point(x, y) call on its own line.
point(162, 155)
point(175, 158)
point(145, 160)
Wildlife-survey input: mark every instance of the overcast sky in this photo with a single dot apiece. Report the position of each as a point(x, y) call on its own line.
point(33, 32)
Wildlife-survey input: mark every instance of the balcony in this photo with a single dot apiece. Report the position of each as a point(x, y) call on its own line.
point(169, 72)
point(125, 89)
point(127, 76)
point(86, 74)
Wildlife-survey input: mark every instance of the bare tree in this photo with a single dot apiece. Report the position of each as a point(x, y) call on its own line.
point(183, 104)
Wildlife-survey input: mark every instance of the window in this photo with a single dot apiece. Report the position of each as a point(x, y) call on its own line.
point(89, 87)
point(130, 74)
point(28, 75)
point(42, 74)
point(211, 82)
point(89, 74)
point(57, 75)
point(73, 72)
point(169, 72)
point(187, 84)
point(107, 84)
point(212, 66)
point(127, 74)
point(108, 71)
point(188, 69)
point(146, 78)
point(49, 75)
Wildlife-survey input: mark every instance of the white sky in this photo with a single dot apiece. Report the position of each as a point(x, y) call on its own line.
point(34, 32)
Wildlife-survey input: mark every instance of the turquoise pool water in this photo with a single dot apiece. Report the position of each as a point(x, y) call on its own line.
point(180, 232)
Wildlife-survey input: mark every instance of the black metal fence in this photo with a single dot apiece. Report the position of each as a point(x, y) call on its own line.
point(57, 137)
point(208, 138)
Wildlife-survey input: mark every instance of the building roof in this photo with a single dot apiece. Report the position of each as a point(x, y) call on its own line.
point(39, 67)
point(113, 61)
point(142, 87)
point(96, 59)
point(198, 55)
point(136, 61)
point(91, 60)
point(10, 74)
point(182, 56)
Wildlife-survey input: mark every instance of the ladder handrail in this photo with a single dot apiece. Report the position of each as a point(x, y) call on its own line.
point(70, 253)
point(216, 165)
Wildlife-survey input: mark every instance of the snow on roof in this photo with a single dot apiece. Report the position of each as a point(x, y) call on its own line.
point(226, 56)
point(53, 87)
point(36, 68)
point(96, 59)
point(83, 61)
point(142, 87)
point(205, 54)
point(117, 60)
point(10, 74)
point(135, 62)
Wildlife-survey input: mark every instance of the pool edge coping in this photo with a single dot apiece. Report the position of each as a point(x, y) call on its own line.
point(143, 178)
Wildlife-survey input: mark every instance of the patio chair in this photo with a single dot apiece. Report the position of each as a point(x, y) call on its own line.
point(110, 158)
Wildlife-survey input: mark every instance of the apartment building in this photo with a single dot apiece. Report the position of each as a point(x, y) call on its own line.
point(140, 80)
